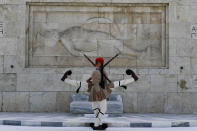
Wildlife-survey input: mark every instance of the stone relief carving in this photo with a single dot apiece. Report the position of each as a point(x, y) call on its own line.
point(100, 36)
point(77, 40)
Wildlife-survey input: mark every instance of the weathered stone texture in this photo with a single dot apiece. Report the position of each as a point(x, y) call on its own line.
point(187, 107)
point(193, 65)
point(142, 85)
point(180, 103)
point(151, 102)
point(63, 100)
point(1, 64)
point(42, 101)
point(15, 101)
point(10, 64)
point(8, 46)
point(22, 101)
point(164, 83)
point(173, 103)
point(130, 102)
point(42, 82)
point(175, 63)
point(8, 82)
point(1, 101)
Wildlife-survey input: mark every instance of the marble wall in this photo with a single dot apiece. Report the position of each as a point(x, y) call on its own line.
point(42, 39)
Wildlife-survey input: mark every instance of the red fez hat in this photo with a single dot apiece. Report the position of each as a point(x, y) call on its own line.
point(100, 60)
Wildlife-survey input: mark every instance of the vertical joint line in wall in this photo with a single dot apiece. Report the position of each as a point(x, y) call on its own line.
point(150, 81)
point(56, 101)
point(97, 51)
point(3, 62)
point(177, 85)
point(137, 101)
point(15, 95)
point(56, 109)
point(167, 100)
point(110, 29)
point(29, 106)
point(47, 15)
point(136, 66)
point(2, 102)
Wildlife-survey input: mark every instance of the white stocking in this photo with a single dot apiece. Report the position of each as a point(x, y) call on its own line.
point(99, 108)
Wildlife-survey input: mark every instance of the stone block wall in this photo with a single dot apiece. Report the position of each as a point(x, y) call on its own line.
point(30, 85)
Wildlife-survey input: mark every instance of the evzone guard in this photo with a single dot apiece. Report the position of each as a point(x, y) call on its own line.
point(99, 88)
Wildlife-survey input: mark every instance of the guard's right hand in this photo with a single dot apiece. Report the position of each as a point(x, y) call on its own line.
point(99, 96)
point(88, 80)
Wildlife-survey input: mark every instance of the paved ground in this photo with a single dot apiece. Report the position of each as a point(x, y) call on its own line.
point(25, 128)
point(80, 120)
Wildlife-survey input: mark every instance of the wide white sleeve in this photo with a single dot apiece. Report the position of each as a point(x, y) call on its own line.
point(76, 83)
point(123, 82)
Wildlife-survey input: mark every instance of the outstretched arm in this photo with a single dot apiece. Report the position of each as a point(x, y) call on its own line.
point(74, 83)
point(123, 82)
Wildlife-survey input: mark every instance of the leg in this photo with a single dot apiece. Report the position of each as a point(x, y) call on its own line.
point(103, 109)
point(95, 107)
point(99, 108)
